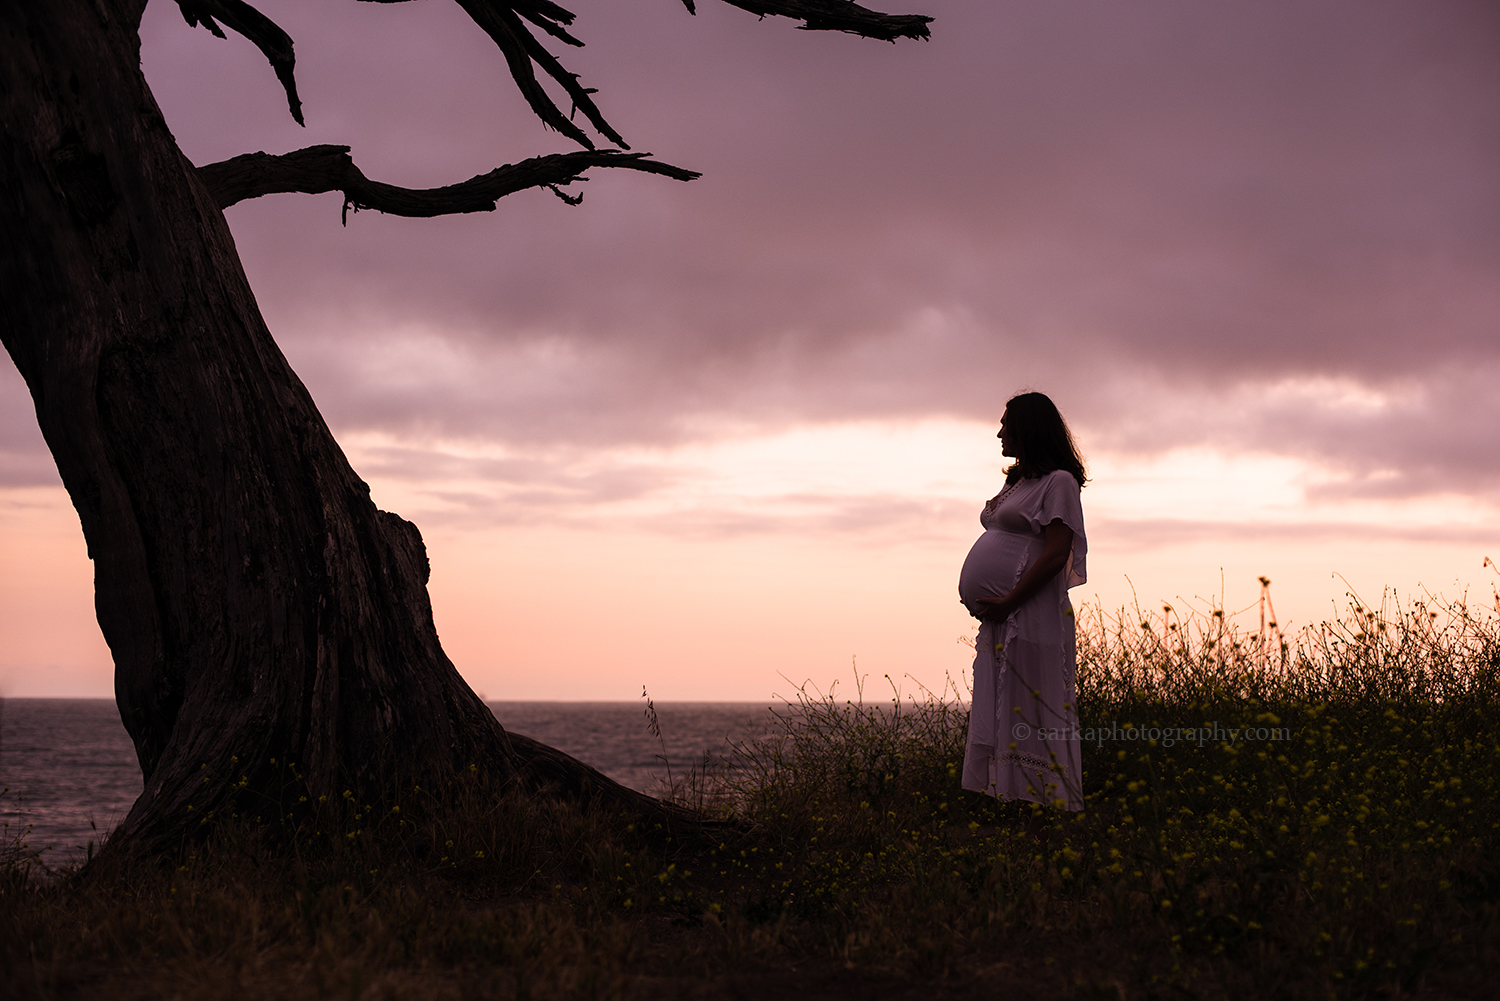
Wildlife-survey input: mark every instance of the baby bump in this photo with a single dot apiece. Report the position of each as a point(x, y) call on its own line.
point(993, 565)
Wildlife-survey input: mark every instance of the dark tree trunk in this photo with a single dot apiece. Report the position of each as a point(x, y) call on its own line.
point(256, 602)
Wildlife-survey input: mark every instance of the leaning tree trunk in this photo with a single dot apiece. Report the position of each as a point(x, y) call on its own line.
point(256, 602)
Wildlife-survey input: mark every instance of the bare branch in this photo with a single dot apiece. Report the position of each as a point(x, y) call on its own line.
point(265, 33)
point(839, 15)
point(506, 31)
point(548, 16)
point(318, 169)
point(501, 20)
point(520, 48)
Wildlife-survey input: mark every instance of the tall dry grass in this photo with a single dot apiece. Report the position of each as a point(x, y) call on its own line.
point(1351, 854)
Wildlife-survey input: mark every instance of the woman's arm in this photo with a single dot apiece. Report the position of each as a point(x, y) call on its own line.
point(1057, 542)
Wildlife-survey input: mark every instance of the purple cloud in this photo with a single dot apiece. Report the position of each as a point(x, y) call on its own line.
point(1160, 212)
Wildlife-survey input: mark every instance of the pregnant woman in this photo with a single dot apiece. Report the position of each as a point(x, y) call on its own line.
point(1023, 724)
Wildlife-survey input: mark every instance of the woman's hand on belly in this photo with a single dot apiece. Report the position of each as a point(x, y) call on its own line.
point(994, 609)
point(990, 608)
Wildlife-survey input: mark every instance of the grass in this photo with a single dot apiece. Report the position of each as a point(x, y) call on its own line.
point(1297, 816)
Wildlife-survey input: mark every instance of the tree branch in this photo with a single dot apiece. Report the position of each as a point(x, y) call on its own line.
point(838, 15)
point(502, 21)
point(520, 48)
point(319, 169)
point(548, 16)
point(265, 33)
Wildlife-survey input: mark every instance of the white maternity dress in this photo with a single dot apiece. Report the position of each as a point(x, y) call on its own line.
point(1023, 724)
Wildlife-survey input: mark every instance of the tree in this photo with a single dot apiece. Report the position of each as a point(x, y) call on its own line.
point(259, 608)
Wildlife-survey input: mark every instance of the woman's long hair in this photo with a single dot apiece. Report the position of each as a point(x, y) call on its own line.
point(1041, 439)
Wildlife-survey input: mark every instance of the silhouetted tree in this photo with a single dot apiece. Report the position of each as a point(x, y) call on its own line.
point(257, 604)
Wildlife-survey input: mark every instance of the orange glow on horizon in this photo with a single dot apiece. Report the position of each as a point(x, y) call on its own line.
point(767, 561)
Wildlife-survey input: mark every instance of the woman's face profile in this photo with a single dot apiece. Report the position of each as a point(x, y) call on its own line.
point(1006, 447)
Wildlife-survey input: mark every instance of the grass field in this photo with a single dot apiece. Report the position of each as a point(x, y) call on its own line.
point(1267, 816)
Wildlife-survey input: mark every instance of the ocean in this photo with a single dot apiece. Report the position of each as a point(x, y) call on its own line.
point(69, 772)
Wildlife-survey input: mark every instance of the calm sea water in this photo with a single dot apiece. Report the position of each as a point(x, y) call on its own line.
point(70, 772)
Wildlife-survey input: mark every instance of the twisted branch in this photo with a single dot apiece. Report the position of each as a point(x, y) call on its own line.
point(837, 15)
point(520, 48)
point(318, 169)
point(502, 21)
point(265, 33)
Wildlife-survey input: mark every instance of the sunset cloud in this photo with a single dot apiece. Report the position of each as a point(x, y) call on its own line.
point(1257, 244)
point(1160, 199)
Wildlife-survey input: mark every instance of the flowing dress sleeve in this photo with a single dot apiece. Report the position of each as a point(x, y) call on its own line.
point(1059, 499)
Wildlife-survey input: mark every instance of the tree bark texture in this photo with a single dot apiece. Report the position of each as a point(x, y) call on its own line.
point(256, 603)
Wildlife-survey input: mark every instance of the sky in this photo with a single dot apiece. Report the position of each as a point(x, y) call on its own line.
point(725, 438)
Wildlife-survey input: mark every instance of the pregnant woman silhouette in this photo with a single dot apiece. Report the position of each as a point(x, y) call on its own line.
point(1023, 724)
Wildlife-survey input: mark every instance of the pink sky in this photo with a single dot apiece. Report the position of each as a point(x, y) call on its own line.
point(708, 437)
